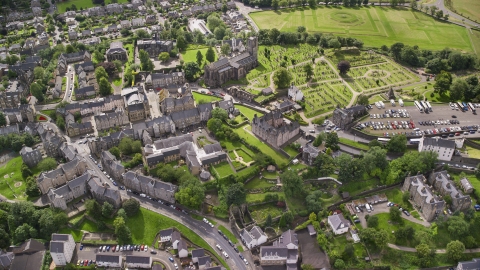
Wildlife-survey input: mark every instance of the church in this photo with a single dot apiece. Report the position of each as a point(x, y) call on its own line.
point(235, 68)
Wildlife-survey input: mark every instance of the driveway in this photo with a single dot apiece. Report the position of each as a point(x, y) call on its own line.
point(383, 208)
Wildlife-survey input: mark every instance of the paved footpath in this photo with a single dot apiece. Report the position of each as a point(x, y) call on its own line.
point(409, 249)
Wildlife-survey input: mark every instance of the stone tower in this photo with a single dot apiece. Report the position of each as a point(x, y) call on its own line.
point(252, 46)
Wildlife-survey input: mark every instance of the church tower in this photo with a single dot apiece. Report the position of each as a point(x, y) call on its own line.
point(252, 46)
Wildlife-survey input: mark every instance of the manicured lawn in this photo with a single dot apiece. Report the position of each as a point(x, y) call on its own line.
point(190, 55)
point(475, 35)
point(259, 183)
point(247, 112)
point(383, 223)
point(472, 152)
point(356, 187)
point(223, 169)
point(62, 6)
point(264, 148)
point(437, 97)
point(261, 196)
point(290, 150)
point(206, 98)
point(354, 144)
point(90, 226)
point(260, 212)
point(468, 8)
point(117, 82)
point(246, 157)
point(146, 224)
point(376, 26)
point(375, 98)
point(76, 234)
point(13, 179)
point(228, 233)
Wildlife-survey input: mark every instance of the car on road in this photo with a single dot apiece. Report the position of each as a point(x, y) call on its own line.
point(230, 243)
point(153, 252)
point(170, 259)
point(241, 256)
point(176, 266)
point(210, 224)
point(406, 213)
point(219, 247)
point(115, 183)
point(81, 247)
point(122, 187)
point(225, 254)
point(145, 248)
point(236, 249)
point(220, 232)
point(245, 260)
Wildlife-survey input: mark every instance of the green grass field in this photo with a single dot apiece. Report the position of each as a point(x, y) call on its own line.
point(475, 35)
point(206, 98)
point(62, 6)
point(376, 26)
point(258, 183)
point(354, 144)
point(146, 224)
point(190, 55)
point(223, 169)
point(14, 179)
point(249, 113)
point(76, 234)
point(260, 212)
point(468, 8)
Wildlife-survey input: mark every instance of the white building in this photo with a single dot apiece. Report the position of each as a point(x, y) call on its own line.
point(62, 247)
point(166, 235)
point(197, 24)
point(113, 261)
point(138, 262)
point(254, 237)
point(294, 93)
point(444, 148)
point(338, 224)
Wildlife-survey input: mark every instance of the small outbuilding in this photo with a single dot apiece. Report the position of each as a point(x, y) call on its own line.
point(311, 230)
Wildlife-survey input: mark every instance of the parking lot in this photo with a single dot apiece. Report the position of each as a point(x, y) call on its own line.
point(443, 120)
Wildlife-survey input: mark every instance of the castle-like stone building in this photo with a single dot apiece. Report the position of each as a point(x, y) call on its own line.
point(272, 128)
point(235, 68)
point(429, 204)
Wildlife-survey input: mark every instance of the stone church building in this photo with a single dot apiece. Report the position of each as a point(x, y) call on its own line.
point(272, 129)
point(235, 68)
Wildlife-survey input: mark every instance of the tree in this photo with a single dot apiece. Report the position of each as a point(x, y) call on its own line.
point(443, 82)
point(275, 5)
point(191, 193)
point(47, 164)
point(292, 184)
point(268, 221)
point(282, 223)
point(4, 239)
point(219, 113)
point(214, 125)
point(121, 230)
point(339, 264)
point(199, 58)
point(362, 100)
point(319, 139)
point(312, 3)
point(458, 227)
point(282, 78)
point(372, 222)
point(405, 197)
point(213, 21)
point(145, 63)
point(60, 123)
point(312, 217)
point(236, 194)
point(98, 57)
point(210, 55)
point(397, 144)
point(141, 34)
point(343, 67)
point(334, 43)
point(115, 151)
point(349, 168)
point(396, 50)
point(3, 120)
point(93, 208)
point(109, 67)
point(121, 213)
point(332, 141)
point(395, 214)
point(425, 254)
point(118, 65)
point(191, 69)
point(38, 73)
point(323, 165)
point(322, 240)
point(163, 57)
point(308, 69)
point(457, 89)
point(406, 232)
point(131, 207)
point(181, 43)
point(455, 250)
point(225, 49)
point(100, 72)
point(107, 209)
point(104, 87)
point(36, 91)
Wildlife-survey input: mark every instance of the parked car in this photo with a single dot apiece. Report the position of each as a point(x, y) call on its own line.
point(406, 213)
point(170, 259)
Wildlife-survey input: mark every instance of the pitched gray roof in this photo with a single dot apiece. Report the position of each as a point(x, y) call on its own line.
point(182, 245)
point(198, 253)
point(165, 233)
point(108, 258)
point(137, 259)
point(338, 220)
point(60, 237)
point(437, 142)
point(204, 260)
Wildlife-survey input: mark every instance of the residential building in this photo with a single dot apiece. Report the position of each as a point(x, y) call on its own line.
point(154, 46)
point(294, 93)
point(112, 28)
point(466, 185)
point(72, 35)
point(284, 251)
point(51, 143)
point(474, 264)
point(171, 104)
point(254, 237)
point(36, 11)
point(343, 118)
point(227, 105)
point(150, 19)
point(85, 92)
point(58, 177)
point(204, 262)
point(112, 166)
point(110, 261)
point(29, 256)
point(182, 249)
point(235, 68)
point(6, 259)
point(271, 128)
point(31, 157)
point(338, 224)
point(138, 22)
point(150, 186)
point(197, 253)
point(77, 129)
point(114, 8)
point(98, 145)
point(136, 103)
point(76, 188)
point(111, 120)
point(176, 237)
point(184, 119)
point(236, 45)
point(67, 58)
point(116, 52)
point(165, 5)
point(134, 262)
point(310, 153)
point(235, 91)
point(429, 204)
point(444, 148)
point(165, 80)
point(103, 193)
point(62, 247)
point(23, 113)
point(125, 24)
point(443, 185)
point(166, 235)
point(96, 11)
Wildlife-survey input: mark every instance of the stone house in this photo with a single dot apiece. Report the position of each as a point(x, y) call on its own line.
point(170, 104)
point(183, 119)
point(116, 52)
point(86, 33)
point(161, 80)
point(73, 189)
point(84, 92)
point(429, 204)
point(114, 8)
point(111, 120)
point(272, 129)
point(72, 35)
point(60, 176)
point(239, 93)
point(154, 47)
point(40, 28)
point(112, 166)
point(51, 143)
point(31, 157)
point(96, 11)
point(112, 28)
point(98, 145)
point(150, 186)
point(125, 24)
point(37, 11)
point(103, 193)
point(138, 22)
point(284, 251)
point(205, 111)
point(67, 58)
point(310, 153)
point(150, 19)
point(77, 129)
point(342, 118)
point(442, 184)
point(338, 224)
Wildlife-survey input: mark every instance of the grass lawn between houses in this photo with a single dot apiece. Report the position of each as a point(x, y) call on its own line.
point(375, 26)
point(146, 224)
point(11, 181)
point(248, 112)
point(198, 97)
point(223, 169)
point(62, 6)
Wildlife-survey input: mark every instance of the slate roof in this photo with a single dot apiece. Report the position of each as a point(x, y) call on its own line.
point(212, 148)
point(165, 233)
point(108, 258)
point(204, 260)
point(182, 245)
point(437, 142)
point(59, 237)
point(198, 253)
point(137, 259)
point(337, 221)
point(474, 264)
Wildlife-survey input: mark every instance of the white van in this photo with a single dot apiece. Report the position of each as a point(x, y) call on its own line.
point(143, 195)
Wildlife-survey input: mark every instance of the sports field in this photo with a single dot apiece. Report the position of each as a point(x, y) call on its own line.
point(376, 26)
point(62, 5)
point(468, 8)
